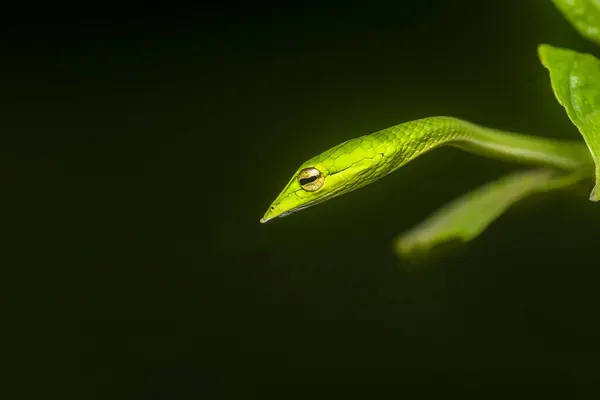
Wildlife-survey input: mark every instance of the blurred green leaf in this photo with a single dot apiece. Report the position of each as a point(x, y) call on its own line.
point(466, 217)
point(575, 79)
point(584, 15)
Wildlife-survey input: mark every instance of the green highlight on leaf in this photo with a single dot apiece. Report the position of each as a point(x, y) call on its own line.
point(584, 15)
point(468, 216)
point(575, 79)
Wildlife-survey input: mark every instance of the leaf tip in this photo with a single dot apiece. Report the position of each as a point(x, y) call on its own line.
point(545, 51)
point(542, 51)
point(403, 247)
point(543, 47)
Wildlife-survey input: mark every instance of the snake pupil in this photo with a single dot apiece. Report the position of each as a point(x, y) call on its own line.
point(306, 181)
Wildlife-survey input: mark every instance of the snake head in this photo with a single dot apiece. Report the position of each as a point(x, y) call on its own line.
point(339, 170)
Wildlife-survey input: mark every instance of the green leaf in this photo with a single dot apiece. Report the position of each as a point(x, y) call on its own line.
point(584, 15)
point(468, 216)
point(575, 79)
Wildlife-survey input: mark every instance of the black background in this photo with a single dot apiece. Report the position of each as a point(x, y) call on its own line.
point(141, 144)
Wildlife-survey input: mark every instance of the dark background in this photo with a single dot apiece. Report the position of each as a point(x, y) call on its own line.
point(141, 144)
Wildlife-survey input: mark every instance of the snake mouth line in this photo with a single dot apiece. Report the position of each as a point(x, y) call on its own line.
point(302, 207)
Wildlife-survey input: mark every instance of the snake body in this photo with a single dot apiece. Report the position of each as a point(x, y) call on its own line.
point(361, 161)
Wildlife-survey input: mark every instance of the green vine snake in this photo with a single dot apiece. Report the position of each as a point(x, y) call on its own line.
point(558, 163)
point(361, 161)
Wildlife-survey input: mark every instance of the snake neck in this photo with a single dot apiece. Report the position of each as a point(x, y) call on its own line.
point(403, 143)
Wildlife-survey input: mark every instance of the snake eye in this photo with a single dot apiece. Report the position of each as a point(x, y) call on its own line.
point(311, 179)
